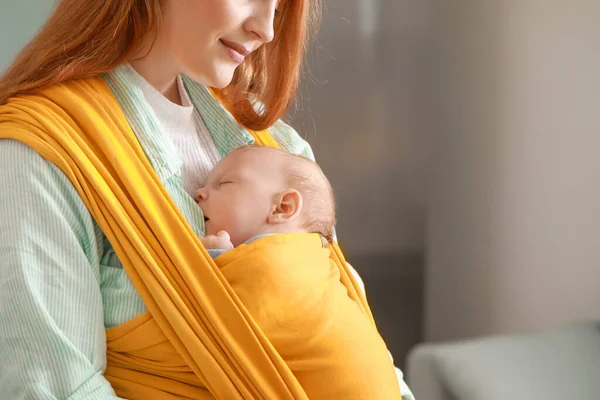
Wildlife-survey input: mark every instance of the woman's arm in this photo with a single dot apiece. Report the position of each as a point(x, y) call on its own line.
point(52, 335)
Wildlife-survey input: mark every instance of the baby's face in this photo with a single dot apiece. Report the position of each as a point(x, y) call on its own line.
point(239, 194)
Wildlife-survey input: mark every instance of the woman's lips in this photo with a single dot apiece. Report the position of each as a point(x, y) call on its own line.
point(237, 52)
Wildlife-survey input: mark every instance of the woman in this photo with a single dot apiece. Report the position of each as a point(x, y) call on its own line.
point(64, 290)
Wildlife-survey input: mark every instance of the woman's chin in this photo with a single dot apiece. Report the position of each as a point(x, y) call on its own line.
point(222, 77)
point(220, 84)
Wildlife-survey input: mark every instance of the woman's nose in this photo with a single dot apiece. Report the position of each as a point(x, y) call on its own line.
point(261, 21)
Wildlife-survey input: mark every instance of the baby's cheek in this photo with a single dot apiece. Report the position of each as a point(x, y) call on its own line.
point(231, 226)
point(237, 225)
point(222, 223)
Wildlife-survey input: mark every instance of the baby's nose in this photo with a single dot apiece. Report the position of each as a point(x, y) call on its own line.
point(200, 195)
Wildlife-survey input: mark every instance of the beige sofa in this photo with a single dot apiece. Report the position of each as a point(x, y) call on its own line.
point(560, 364)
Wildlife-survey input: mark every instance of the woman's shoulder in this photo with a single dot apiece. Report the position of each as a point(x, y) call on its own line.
point(37, 196)
point(25, 172)
point(22, 162)
point(84, 94)
point(289, 140)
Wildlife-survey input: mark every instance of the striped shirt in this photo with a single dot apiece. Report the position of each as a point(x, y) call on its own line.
point(61, 283)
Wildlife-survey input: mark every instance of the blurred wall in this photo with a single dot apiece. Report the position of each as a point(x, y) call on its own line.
point(514, 229)
point(362, 107)
point(19, 20)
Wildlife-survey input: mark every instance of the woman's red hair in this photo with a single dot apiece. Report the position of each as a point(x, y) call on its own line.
point(85, 38)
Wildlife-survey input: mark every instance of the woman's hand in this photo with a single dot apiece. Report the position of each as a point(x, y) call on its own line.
point(219, 241)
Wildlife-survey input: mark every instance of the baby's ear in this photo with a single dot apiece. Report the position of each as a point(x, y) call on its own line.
point(287, 206)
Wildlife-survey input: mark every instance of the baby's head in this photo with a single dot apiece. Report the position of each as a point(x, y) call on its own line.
point(259, 190)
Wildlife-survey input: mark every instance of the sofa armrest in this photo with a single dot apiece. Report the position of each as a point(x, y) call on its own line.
point(422, 374)
point(559, 364)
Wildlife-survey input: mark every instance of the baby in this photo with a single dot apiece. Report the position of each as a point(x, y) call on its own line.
point(286, 278)
point(256, 191)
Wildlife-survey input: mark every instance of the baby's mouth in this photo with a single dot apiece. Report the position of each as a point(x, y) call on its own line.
point(206, 219)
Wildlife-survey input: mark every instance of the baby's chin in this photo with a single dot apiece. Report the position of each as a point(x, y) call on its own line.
point(209, 229)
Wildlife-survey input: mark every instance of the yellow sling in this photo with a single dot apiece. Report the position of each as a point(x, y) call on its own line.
point(197, 340)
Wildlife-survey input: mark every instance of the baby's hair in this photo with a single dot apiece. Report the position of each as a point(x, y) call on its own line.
point(317, 193)
point(319, 200)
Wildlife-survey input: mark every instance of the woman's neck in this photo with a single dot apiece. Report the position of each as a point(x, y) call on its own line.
point(156, 68)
